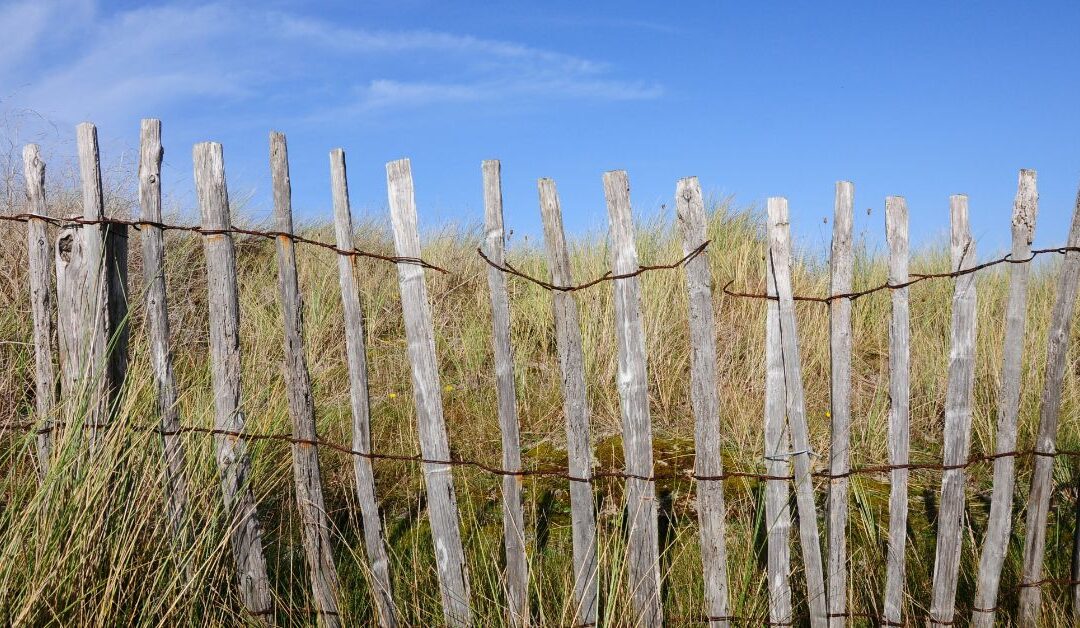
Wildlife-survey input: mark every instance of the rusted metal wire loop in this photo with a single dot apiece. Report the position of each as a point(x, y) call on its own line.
point(268, 234)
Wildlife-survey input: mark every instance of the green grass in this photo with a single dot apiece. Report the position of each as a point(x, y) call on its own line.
point(92, 546)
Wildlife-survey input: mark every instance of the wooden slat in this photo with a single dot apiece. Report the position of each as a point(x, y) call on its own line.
point(999, 524)
point(157, 315)
point(841, 266)
point(233, 462)
point(690, 209)
point(957, 416)
point(777, 463)
point(355, 349)
point(70, 315)
point(1042, 482)
point(517, 574)
point(896, 234)
point(434, 444)
point(641, 521)
point(41, 303)
point(306, 475)
point(780, 250)
point(575, 408)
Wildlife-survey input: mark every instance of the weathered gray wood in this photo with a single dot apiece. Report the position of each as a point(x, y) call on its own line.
point(641, 521)
point(690, 209)
point(224, 316)
point(957, 416)
point(70, 315)
point(517, 574)
point(896, 233)
point(306, 475)
point(355, 349)
point(41, 304)
point(575, 407)
point(1042, 484)
point(841, 265)
point(780, 250)
point(434, 444)
point(999, 525)
point(777, 463)
point(157, 314)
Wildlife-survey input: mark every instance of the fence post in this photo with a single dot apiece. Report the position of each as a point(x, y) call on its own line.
point(841, 268)
point(777, 462)
point(690, 209)
point(896, 233)
point(224, 317)
point(434, 444)
point(641, 506)
point(999, 524)
point(41, 302)
point(575, 407)
point(1042, 482)
point(157, 314)
point(957, 416)
point(306, 475)
point(517, 574)
point(780, 250)
point(71, 313)
point(356, 351)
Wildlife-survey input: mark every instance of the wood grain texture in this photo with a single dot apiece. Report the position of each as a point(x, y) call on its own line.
point(777, 463)
point(356, 352)
point(233, 462)
point(71, 316)
point(306, 475)
point(642, 536)
point(575, 407)
point(157, 318)
point(434, 444)
point(704, 401)
point(42, 301)
point(958, 405)
point(999, 525)
point(841, 267)
point(1042, 482)
point(780, 251)
point(896, 234)
point(517, 573)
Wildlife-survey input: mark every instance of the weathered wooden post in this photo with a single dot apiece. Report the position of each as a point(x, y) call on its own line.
point(233, 461)
point(999, 524)
point(690, 209)
point(306, 474)
point(575, 407)
point(517, 571)
point(355, 349)
point(434, 443)
point(641, 506)
point(157, 315)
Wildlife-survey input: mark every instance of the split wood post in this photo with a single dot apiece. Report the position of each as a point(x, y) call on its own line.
point(517, 574)
point(41, 303)
point(957, 416)
point(841, 266)
point(641, 506)
point(355, 349)
point(780, 250)
point(777, 462)
point(70, 315)
point(1042, 482)
point(305, 454)
point(999, 524)
point(896, 234)
point(434, 443)
point(575, 407)
point(157, 314)
point(690, 209)
point(233, 460)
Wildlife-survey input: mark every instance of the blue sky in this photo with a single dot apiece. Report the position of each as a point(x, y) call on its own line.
point(756, 99)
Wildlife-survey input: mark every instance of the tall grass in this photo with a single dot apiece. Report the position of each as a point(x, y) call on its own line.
point(92, 545)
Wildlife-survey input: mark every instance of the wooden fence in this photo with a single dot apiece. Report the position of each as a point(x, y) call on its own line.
point(88, 260)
